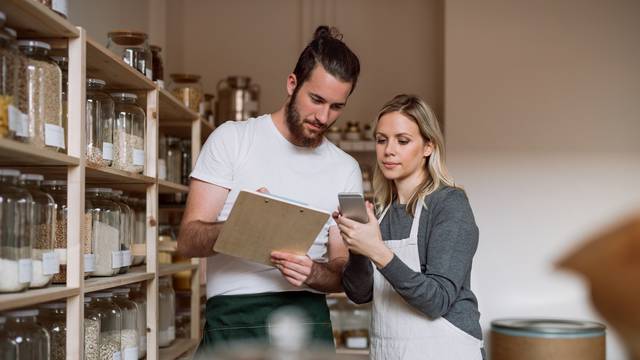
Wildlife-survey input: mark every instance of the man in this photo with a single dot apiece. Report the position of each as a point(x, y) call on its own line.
point(284, 153)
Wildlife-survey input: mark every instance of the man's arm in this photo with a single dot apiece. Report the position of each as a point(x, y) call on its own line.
point(325, 277)
point(199, 229)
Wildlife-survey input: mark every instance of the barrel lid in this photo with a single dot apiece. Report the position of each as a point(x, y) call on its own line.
point(548, 327)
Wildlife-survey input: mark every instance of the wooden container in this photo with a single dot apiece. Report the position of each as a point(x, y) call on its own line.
point(547, 339)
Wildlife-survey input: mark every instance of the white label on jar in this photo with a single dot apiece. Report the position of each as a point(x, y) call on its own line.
point(358, 342)
point(138, 157)
point(131, 353)
point(18, 121)
point(54, 135)
point(24, 271)
point(89, 263)
point(107, 151)
point(126, 258)
point(50, 264)
point(149, 73)
point(172, 332)
point(116, 259)
point(116, 356)
point(62, 256)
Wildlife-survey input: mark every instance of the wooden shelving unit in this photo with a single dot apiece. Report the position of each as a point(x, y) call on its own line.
point(87, 59)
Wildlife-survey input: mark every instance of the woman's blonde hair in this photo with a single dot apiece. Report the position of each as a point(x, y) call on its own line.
point(419, 112)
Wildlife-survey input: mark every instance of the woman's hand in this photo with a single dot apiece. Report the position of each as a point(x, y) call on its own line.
point(365, 239)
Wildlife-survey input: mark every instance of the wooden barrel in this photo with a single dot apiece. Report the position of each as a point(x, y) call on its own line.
point(547, 339)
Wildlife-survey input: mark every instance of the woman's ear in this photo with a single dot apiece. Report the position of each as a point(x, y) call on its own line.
point(292, 81)
point(428, 149)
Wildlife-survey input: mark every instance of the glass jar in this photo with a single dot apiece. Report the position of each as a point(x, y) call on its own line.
point(128, 134)
point(188, 89)
point(63, 64)
point(352, 133)
point(8, 348)
point(110, 324)
point(138, 295)
point(31, 339)
point(335, 312)
point(185, 148)
point(158, 69)
point(174, 160)
point(8, 76)
point(129, 334)
point(44, 260)
point(18, 111)
point(127, 221)
point(44, 80)
point(53, 317)
point(58, 190)
point(183, 324)
point(139, 246)
point(16, 213)
point(132, 47)
point(91, 331)
point(162, 157)
point(100, 113)
point(104, 235)
point(167, 312)
point(355, 328)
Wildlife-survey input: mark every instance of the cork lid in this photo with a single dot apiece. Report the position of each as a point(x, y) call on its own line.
point(188, 78)
point(127, 37)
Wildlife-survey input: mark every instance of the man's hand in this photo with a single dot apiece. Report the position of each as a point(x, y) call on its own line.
point(296, 269)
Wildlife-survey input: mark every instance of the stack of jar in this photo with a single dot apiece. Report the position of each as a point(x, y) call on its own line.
point(174, 163)
point(133, 48)
point(30, 92)
point(28, 223)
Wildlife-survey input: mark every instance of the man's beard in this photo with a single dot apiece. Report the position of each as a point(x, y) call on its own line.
point(296, 126)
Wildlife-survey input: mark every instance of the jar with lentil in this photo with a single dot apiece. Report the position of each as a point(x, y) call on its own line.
point(110, 324)
point(43, 258)
point(100, 113)
point(133, 48)
point(127, 222)
point(188, 89)
point(44, 81)
point(138, 295)
point(53, 317)
point(129, 335)
point(16, 213)
point(32, 340)
point(104, 236)
point(129, 133)
point(91, 331)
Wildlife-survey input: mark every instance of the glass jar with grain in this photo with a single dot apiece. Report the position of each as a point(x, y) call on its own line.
point(128, 134)
point(100, 114)
point(188, 89)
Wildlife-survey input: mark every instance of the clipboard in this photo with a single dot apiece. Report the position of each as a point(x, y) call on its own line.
point(261, 223)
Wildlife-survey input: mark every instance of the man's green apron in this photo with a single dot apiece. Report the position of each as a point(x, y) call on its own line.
point(244, 317)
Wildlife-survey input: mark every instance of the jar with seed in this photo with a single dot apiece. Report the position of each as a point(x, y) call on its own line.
point(58, 190)
point(53, 317)
point(129, 334)
point(129, 133)
point(100, 114)
point(33, 341)
point(15, 238)
point(138, 295)
point(8, 75)
point(127, 223)
point(133, 48)
point(188, 89)
point(104, 236)
point(44, 81)
point(110, 324)
point(91, 331)
point(44, 260)
point(18, 112)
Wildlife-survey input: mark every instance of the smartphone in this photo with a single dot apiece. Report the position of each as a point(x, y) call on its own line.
point(353, 207)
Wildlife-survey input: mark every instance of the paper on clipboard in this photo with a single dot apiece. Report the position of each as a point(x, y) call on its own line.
point(262, 223)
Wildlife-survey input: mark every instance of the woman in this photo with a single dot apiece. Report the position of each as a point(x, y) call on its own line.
point(422, 248)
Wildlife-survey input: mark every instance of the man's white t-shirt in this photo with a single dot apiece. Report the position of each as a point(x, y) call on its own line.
point(248, 155)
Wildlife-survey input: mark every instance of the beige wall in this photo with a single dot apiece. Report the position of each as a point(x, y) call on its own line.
point(542, 101)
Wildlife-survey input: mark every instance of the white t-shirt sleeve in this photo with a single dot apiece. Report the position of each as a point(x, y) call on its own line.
point(219, 154)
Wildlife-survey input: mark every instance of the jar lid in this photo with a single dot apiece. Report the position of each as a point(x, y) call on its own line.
point(98, 190)
point(120, 290)
point(54, 182)
point(22, 313)
point(155, 48)
point(547, 327)
point(185, 77)
point(54, 305)
point(34, 43)
point(127, 37)
point(35, 177)
point(101, 294)
point(94, 81)
point(124, 95)
point(9, 172)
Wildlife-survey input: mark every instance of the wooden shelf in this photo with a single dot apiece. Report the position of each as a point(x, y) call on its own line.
point(36, 296)
point(168, 187)
point(170, 269)
point(179, 347)
point(105, 65)
point(14, 153)
point(135, 274)
point(32, 19)
point(182, 129)
point(117, 179)
point(345, 351)
point(172, 110)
